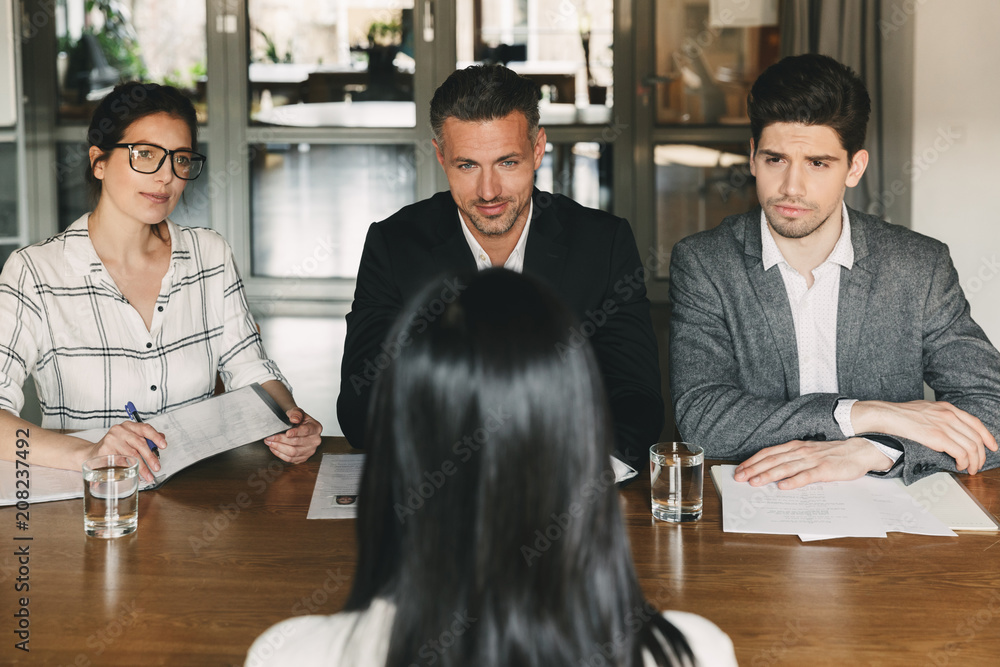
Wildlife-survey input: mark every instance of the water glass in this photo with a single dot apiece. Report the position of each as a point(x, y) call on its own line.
point(675, 475)
point(110, 495)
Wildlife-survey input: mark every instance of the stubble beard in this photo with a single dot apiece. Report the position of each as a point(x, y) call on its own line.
point(798, 228)
point(495, 226)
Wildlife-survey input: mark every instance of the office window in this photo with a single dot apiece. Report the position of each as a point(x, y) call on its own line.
point(308, 350)
point(104, 42)
point(312, 204)
point(565, 47)
point(71, 165)
point(310, 60)
point(8, 190)
point(9, 231)
point(707, 56)
point(581, 171)
point(696, 187)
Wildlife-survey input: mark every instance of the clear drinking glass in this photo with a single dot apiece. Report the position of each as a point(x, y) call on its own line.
point(110, 495)
point(675, 475)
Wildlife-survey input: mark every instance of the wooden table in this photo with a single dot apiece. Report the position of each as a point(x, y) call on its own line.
point(224, 550)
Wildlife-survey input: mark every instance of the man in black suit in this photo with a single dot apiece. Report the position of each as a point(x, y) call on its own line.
point(487, 139)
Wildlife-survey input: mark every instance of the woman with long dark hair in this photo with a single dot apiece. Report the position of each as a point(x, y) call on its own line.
point(125, 305)
point(489, 526)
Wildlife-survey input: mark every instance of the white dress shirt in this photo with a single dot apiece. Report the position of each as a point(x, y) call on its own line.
point(63, 319)
point(516, 260)
point(814, 312)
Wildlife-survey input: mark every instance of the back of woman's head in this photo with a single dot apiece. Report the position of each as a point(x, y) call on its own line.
point(488, 508)
point(122, 107)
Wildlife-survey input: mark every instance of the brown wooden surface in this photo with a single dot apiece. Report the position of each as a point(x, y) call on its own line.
point(199, 581)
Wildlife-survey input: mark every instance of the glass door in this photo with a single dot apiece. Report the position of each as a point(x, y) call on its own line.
point(12, 186)
point(99, 43)
point(331, 134)
point(699, 59)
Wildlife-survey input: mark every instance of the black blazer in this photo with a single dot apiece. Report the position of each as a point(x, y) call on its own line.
point(587, 257)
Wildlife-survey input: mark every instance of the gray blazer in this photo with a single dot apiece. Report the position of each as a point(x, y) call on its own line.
point(902, 320)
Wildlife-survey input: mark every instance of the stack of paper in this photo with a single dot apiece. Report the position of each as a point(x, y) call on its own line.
point(866, 507)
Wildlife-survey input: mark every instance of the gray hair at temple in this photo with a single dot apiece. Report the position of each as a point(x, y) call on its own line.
point(484, 93)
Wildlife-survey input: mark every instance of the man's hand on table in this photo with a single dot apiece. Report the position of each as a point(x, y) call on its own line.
point(799, 462)
point(936, 425)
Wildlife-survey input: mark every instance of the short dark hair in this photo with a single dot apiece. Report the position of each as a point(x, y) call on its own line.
point(811, 89)
point(122, 107)
point(483, 93)
point(491, 421)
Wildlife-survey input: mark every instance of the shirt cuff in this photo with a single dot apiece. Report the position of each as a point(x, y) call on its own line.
point(842, 414)
point(891, 452)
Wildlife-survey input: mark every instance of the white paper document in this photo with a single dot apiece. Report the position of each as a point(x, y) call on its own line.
point(193, 433)
point(216, 425)
point(335, 495)
point(865, 507)
point(623, 471)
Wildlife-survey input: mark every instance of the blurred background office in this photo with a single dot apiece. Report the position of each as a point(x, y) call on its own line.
point(314, 121)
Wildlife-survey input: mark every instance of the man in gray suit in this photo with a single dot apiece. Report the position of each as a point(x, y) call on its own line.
point(802, 333)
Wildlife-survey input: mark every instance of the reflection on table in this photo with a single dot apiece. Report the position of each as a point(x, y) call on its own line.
point(224, 550)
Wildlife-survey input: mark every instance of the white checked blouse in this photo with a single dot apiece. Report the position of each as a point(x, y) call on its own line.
point(63, 319)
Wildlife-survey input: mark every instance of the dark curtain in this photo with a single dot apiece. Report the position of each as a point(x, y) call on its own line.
point(847, 30)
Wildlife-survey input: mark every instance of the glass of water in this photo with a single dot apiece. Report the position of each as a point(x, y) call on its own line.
point(110, 495)
point(675, 476)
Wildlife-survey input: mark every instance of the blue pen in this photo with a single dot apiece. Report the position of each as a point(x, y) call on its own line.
point(134, 416)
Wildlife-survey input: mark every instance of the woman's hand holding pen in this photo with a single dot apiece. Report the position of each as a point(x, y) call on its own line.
point(299, 442)
point(129, 438)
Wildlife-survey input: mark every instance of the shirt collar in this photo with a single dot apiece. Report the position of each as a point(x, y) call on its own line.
point(515, 261)
point(842, 253)
point(82, 259)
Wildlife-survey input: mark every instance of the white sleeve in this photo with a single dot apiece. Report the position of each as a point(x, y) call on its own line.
point(20, 320)
point(243, 360)
point(709, 644)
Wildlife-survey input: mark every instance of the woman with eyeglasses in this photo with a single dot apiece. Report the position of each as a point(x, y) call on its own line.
point(126, 306)
point(492, 398)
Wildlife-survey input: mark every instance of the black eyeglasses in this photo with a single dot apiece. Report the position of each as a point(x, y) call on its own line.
point(148, 158)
